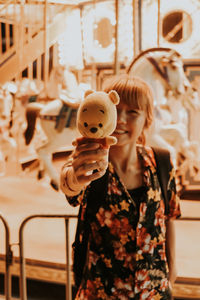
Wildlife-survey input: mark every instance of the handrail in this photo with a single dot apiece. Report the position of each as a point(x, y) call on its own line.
point(22, 279)
point(8, 260)
point(22, 32)
point(8, 2)
point(7, 55)
point(188, 219)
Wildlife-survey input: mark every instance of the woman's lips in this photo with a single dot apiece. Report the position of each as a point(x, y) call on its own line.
point(120, 131)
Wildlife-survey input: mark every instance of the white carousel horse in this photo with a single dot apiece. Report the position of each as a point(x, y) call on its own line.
point(61, 81)
point(6, 104)
point(58, 122)
point(31, 90)
point(8, 145)
point(62, 84)
point(55, 106)
point(162, 69)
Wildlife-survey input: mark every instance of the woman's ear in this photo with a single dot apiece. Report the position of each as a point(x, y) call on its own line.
point(148, 122)
point(142, 138)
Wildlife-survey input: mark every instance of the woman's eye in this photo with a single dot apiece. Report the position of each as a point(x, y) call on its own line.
point(133, 112)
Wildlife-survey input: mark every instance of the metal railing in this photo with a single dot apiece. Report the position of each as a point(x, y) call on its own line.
point(8, 260)
point(22, 281)
point(22, 260)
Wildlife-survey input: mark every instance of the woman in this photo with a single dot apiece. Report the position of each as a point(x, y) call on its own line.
point(131, 244)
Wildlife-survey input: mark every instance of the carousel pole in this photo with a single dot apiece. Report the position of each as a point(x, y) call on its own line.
point(46, 50)
point(140, 25)
point(158, 29)
point(93, 66)
point(116, 59)
point(20, 40)
point(135, 28)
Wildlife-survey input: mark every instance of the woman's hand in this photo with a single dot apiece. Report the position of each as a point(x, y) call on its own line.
point(90, 161)
point(170, 250)
point(172, 274)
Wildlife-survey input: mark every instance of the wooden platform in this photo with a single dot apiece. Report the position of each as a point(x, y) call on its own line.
point(23, 195)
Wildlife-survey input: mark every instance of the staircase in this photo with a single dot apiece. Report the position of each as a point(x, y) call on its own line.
point(29, 31)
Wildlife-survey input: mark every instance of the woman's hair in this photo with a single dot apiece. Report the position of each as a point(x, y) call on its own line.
point(134, 92)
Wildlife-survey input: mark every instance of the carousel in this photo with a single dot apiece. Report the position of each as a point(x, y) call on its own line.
point(51, 52)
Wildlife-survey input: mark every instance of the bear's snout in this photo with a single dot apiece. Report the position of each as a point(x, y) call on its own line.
point(93, 129)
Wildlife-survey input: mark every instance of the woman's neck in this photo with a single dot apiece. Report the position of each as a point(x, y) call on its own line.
point(124, 157)
point(127, 165)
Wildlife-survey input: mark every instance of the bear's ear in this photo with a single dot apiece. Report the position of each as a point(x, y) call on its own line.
point(113, 95)
point(88, 92)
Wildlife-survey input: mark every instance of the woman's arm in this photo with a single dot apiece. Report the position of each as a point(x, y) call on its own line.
point(170, 250)
point(68, 182)
point(88, 162)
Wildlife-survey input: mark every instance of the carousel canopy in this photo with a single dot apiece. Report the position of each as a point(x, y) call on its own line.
point(70, 2)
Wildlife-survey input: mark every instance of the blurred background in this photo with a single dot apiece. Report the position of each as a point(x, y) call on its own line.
point(51, 52)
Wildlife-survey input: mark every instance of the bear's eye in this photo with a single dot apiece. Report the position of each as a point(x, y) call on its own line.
point(85, 124)
point(100, 125)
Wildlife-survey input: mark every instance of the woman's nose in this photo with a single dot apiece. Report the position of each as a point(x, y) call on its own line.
point(121, 116)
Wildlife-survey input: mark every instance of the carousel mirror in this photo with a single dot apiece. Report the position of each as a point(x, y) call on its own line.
point(104, 33)
point(177, 27)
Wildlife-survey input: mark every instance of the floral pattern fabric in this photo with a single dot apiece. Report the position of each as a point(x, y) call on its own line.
point(126, 251)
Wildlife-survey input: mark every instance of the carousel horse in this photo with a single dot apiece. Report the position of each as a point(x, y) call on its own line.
point(57, 118)
point(6, 103)
point(32, 90)
point(8, 145)
point(56, 108)
point(62, 81)
point(58, 122)
point(162, 69)
point(62, 84)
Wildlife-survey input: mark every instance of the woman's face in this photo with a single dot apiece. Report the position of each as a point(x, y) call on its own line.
point(130, 124)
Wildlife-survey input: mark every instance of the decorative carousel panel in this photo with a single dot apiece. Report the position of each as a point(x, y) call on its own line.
point(70, 43)
point(149, 24)
point(176, 24)
point(192, 70)
point(99, 31)
point(125, 31)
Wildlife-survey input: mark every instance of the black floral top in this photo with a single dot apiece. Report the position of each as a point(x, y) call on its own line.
point(126, 251)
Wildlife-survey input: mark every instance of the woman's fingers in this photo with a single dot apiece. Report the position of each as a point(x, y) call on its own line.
point(85, 147)
point(82, 179)
point(87, 172)
point(90, 161)
point(88, 168)
point(90, 153)
point(88, 157)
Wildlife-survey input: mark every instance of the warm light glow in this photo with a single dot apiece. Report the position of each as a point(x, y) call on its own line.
point(149, 24)
point(126, 31)
point(93, 52)
point(98, 27)
point(92, 16)
point(70, 44)
point(188, 48)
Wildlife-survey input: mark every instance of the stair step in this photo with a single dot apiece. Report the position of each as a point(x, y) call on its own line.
point(192, 193)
